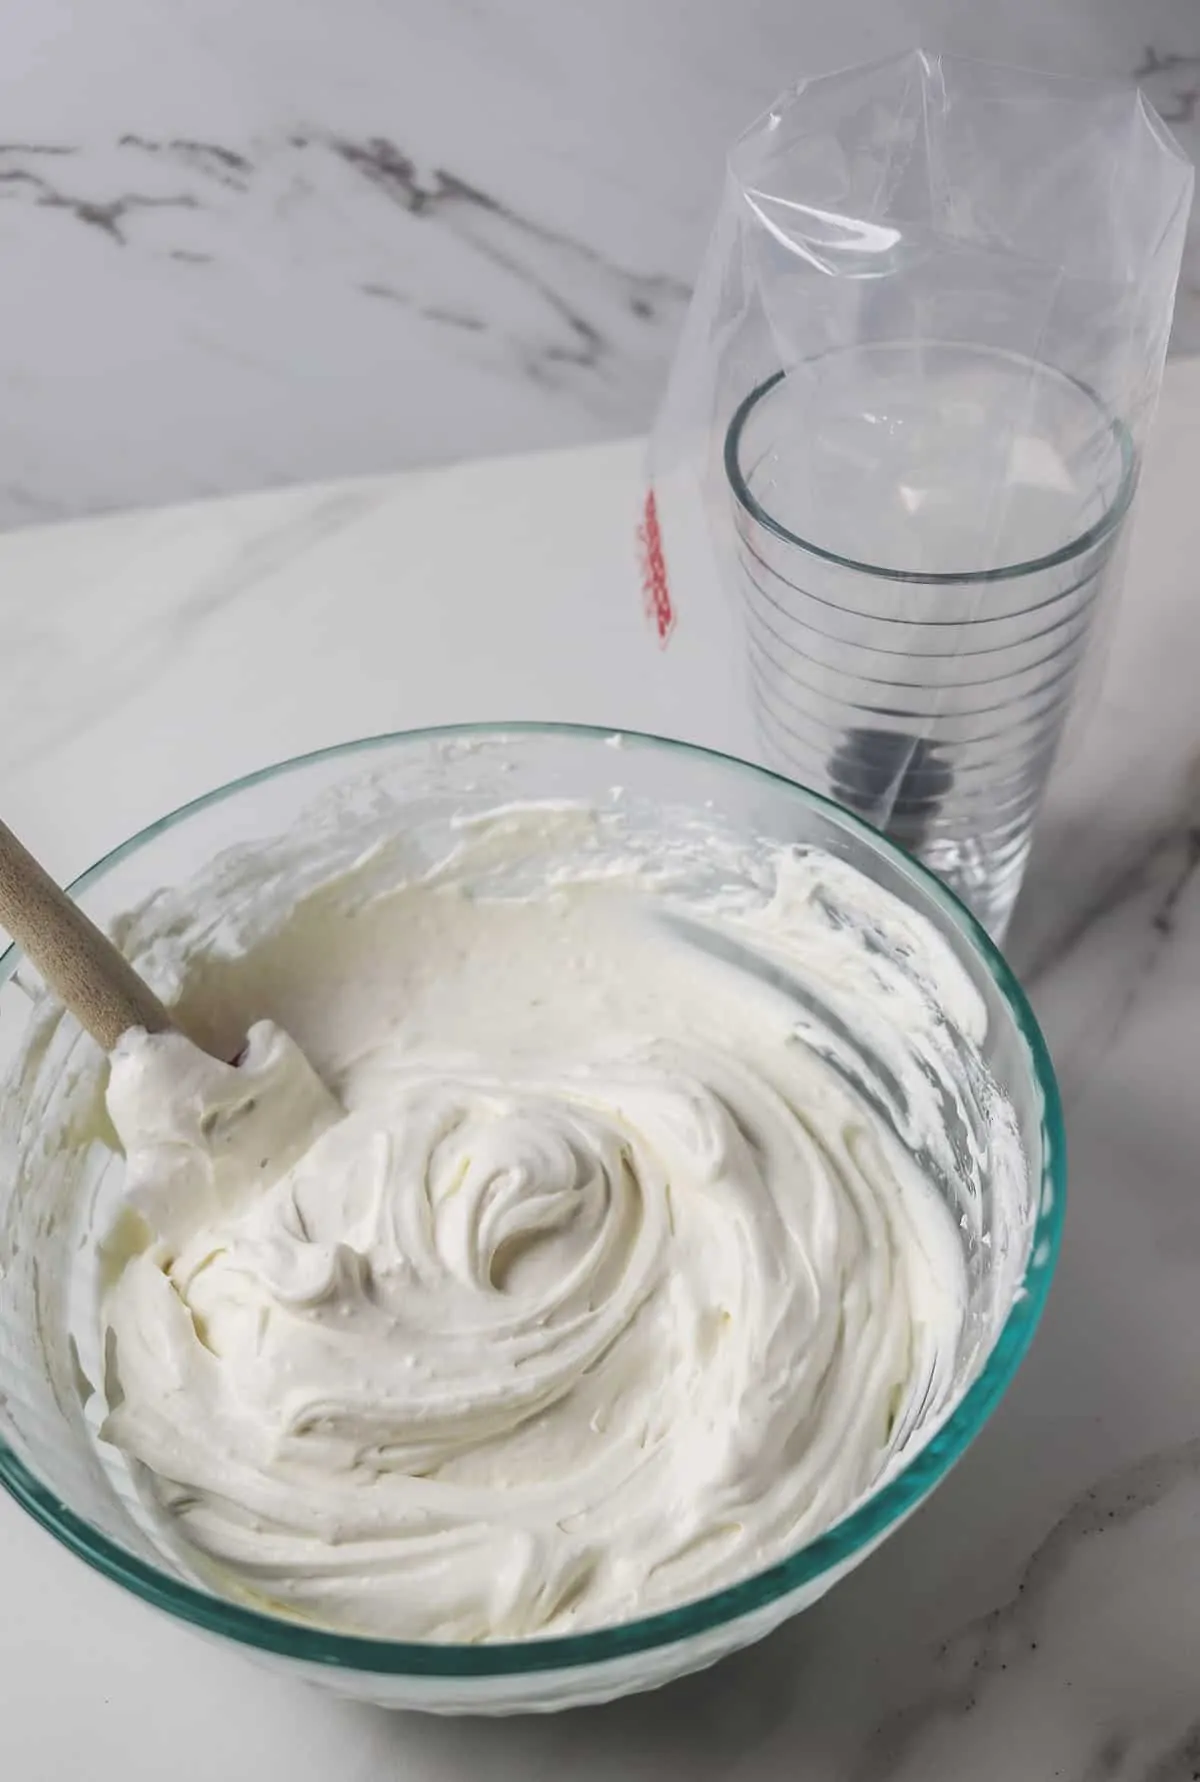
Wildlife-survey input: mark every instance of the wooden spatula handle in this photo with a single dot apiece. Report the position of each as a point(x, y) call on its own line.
point(79, 963)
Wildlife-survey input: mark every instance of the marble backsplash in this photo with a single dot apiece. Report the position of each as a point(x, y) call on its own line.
point(268, 244)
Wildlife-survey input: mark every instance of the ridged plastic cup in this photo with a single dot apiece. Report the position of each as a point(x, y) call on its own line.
point(925, 536)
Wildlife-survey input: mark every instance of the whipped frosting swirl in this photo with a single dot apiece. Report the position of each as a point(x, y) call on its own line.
point(572, 1285)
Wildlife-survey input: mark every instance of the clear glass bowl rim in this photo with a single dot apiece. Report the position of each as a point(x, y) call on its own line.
point(952, 578)
point(834, 1548)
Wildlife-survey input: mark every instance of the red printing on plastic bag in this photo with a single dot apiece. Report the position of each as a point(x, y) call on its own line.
point(656, 595)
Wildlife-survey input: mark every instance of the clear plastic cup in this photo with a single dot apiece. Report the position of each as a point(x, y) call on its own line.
point(925, 535)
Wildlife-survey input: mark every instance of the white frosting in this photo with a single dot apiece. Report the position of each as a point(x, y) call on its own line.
point(586, 1286)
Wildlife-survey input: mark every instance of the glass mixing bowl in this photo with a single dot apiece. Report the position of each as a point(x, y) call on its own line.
point(50, 1460)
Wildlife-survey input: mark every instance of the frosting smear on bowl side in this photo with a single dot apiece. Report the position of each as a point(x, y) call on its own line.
point(577, 1280)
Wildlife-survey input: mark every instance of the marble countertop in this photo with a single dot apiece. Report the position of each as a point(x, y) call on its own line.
point(1040, 1618)
point(264, 244)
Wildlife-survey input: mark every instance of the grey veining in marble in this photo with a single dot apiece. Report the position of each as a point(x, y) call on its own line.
point(272, 244)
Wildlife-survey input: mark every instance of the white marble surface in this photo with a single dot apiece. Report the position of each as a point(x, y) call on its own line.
point(259, 244)
point(1040, 1619)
